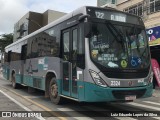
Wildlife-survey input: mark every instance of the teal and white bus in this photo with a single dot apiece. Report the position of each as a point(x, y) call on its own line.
point(90, 55)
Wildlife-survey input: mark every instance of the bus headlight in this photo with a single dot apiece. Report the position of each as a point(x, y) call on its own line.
point(151, 77)
point(97, 79)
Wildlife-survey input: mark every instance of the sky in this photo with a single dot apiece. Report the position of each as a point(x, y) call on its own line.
point(13, 10)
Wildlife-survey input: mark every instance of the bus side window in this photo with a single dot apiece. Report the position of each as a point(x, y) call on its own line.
point(75, 38)
point(5, 57)
point(24, 52)
point(9, 56)
point(29, 43)
point(66, 46)
point(34, 47)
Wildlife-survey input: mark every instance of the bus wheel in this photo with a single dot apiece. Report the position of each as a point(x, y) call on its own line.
point(14, 84)
point(53, 92)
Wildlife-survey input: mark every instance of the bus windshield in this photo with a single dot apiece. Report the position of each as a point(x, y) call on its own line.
point(119, 46)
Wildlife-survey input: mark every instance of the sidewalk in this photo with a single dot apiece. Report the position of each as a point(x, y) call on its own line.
point(10, 110)
point(7, 105)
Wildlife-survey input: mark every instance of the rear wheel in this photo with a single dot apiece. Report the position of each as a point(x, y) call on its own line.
point(14, 84)
point(53, 92)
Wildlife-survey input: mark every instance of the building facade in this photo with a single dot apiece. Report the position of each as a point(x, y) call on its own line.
point(104, 3)
point(148, 10)
point(33, 21)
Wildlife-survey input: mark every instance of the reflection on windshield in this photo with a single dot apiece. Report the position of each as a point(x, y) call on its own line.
point(115, 46)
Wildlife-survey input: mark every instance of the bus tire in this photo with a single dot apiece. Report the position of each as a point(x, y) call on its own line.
point(53, 92)
point(14, 84)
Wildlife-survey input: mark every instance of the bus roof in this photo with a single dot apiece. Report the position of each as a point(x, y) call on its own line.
point(81, 10)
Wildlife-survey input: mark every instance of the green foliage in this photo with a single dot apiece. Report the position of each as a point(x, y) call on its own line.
point(5, 39)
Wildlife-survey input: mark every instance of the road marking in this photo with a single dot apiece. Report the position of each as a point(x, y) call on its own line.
point(146, 106)
point(158, 118)
point(125, 118)
point(154, 103)
point(83, 118)
point(32, 97)
point(79, 114)
point(103, 109)
point(39, 105)
point(18, 103)
point(65, 109)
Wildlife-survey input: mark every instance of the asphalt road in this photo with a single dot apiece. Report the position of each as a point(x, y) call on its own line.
point(72, 110)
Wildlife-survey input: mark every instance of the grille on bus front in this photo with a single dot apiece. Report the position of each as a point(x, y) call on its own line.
point(120, 94)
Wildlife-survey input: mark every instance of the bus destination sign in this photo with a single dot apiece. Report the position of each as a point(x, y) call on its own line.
point(118, 17)
point(111, 16)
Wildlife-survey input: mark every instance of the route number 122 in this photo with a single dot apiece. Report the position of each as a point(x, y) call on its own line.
point(99, 15)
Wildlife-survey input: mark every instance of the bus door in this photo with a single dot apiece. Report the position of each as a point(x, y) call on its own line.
point(69, 55)
point(23, 58)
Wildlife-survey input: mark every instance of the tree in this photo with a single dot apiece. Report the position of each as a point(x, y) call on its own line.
point(5, 40)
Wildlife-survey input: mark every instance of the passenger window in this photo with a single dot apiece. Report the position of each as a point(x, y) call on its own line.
point(75, 38)
point(66, 46)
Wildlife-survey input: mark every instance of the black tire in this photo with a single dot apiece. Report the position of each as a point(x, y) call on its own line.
point(53, 92)
point(14, 84)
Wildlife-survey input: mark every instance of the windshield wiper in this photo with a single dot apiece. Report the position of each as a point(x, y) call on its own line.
point(118, 37)
point(111, 27)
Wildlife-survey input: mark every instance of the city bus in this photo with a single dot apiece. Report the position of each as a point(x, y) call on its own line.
point(89, 55)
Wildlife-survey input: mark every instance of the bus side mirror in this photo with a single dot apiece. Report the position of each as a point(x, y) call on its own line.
point(82, 17)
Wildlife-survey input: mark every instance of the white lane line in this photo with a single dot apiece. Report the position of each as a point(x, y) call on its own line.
point(158, 118)
point(154, 103)
point(125, 118)
point(32, 97)
point(145, 106)
point(18, 103)
point(83, 118)
point(76, 114)
point(65, 109)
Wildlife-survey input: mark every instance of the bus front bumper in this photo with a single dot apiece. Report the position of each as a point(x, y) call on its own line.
point(94, 93)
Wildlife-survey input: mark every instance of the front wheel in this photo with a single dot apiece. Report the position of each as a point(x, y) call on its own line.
point(53, 92)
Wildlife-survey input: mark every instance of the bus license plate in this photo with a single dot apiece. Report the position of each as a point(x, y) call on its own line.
point(131, 97)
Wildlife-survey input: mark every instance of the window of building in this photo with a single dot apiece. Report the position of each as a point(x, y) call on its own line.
point(136, 9)
point(140, 10)
point(157, 5)
point(154, 6)
point(103, 2)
